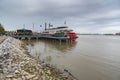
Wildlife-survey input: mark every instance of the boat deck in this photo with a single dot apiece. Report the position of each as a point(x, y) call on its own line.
point(38, 37)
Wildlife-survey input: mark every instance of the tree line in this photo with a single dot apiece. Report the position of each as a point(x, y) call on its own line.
point(2, 30)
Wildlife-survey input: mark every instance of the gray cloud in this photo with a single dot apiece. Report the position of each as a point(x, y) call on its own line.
point(81, 15)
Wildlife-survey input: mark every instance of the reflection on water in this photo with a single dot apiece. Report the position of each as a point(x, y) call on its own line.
point(47, 50)
point(62, 47)
point(89, 58)
point(56, 45)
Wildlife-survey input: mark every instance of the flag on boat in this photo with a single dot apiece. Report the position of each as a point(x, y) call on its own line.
point(65, 22)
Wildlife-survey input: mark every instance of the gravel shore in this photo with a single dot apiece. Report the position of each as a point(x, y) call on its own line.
point(2, 38)
point(16, 64)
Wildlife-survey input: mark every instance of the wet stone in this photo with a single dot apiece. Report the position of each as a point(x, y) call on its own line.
point(17, 65)
point(1, 71)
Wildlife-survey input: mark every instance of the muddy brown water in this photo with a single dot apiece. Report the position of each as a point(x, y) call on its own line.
point(91, 57)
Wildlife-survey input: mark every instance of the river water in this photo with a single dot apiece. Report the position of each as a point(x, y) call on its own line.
point(91, 57)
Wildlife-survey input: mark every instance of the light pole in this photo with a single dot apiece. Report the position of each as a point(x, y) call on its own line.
point(40, 27)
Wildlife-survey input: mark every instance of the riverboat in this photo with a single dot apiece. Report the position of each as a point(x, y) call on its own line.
point(62, 31)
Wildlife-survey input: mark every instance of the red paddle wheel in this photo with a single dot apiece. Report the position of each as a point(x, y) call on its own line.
point(72, 35)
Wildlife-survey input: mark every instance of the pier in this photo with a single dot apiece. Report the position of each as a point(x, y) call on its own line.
point(39, 36)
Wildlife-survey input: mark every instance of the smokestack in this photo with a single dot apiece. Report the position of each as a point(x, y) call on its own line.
point(45, 26)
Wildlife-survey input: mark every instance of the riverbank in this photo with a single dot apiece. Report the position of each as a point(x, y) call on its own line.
point(2, 38)
point(16, 64)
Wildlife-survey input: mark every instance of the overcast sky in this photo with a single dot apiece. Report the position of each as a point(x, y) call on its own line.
point(84, 16)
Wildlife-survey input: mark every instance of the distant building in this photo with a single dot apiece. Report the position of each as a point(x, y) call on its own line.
point(118, 33)
point(10, 32)
point(24, 32)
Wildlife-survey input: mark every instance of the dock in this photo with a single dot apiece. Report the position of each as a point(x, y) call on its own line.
point(39, 36)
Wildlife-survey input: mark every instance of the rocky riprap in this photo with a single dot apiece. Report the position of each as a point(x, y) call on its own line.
point(2, 38)
point(16, 64)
